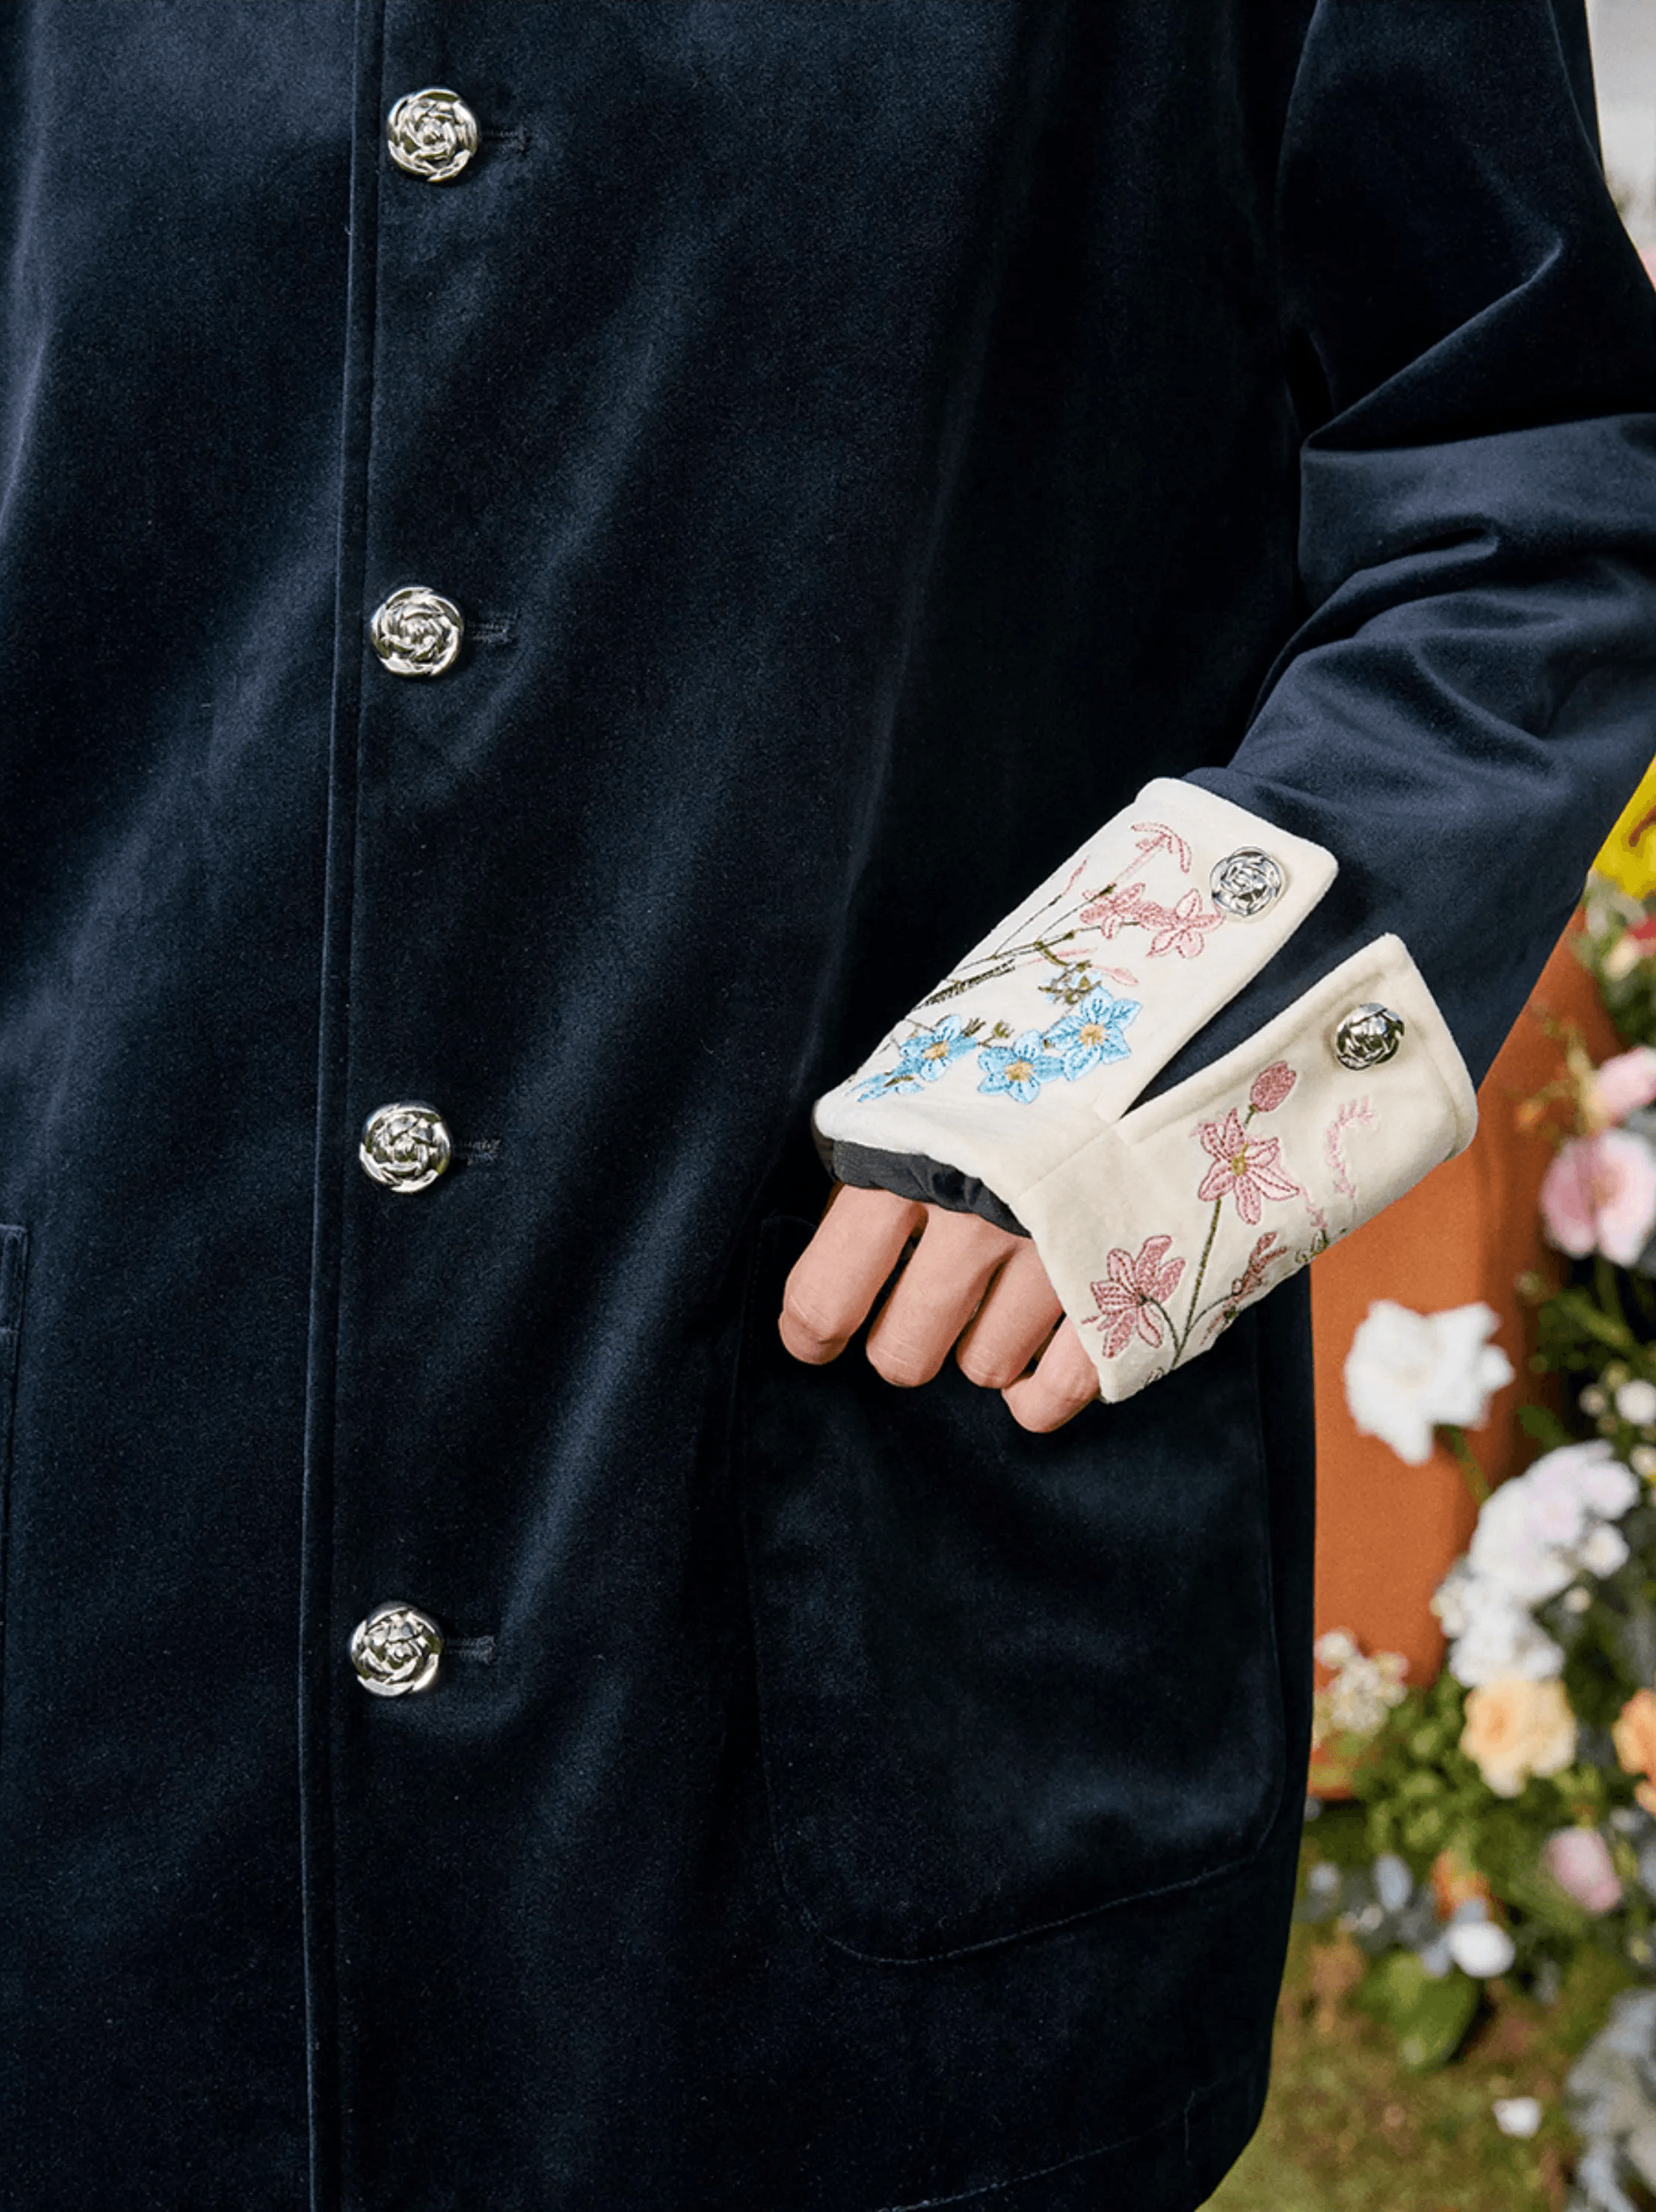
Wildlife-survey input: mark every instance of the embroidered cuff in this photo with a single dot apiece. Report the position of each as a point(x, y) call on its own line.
point(1158, 1225)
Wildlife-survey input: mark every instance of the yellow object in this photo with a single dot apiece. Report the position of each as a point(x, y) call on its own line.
point(1629, 855)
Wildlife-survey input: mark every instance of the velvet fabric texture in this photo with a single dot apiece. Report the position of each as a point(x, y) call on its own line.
point(865, 442)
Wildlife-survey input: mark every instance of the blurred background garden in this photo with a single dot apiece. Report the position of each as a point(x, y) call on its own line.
point(1469, 2020)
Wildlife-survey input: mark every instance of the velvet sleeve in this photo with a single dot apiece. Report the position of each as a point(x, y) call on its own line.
point(1329, 936)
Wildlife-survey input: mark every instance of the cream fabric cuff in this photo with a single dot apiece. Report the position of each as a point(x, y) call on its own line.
point(1159, 1224)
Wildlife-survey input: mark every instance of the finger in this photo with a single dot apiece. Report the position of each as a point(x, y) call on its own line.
point(836, 1278)
point(1064, 1380)
point(936, 1295)
point(1020, 1310)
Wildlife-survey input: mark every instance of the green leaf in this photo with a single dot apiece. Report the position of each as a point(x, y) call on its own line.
point(1428, 2018)
point(1542, 1426)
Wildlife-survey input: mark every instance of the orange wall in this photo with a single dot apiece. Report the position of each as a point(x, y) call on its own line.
point(1386, 1532)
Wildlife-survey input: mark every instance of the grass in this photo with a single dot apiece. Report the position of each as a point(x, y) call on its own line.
point(1347, 2129)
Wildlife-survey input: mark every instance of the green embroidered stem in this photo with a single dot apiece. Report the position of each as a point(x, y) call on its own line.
point(1156, 1306)
point(1201, 1270)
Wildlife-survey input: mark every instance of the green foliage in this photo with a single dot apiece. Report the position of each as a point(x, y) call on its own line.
point(1423, 1794)
point(1429, 2016)
point(1627, 987)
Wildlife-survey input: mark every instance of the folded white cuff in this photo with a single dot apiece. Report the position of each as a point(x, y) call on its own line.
point(1157, 1223)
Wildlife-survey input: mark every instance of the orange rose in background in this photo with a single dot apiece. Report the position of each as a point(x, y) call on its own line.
point(1456, 1882)
point(1635, 1738)
point(1516, 1727)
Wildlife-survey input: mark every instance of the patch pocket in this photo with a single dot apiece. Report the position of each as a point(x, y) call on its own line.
point(1004, 1680)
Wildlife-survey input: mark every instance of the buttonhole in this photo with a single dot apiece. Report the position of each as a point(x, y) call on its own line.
point(512, 141)
point(491, 629)
point(482, 1152)
point(480, 1648)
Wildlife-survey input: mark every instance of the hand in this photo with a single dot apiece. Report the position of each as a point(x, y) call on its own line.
point(967, 1283)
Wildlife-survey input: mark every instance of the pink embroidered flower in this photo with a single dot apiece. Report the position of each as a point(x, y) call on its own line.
point(1354, 1114)
point(1181, 929)
point(1271, 1086)
point(1266, 1249)
point(1128, 1302)
point(1157, 837)
point(1246, 1286)
point(1118, 910)
point(1244, 1169)
point(1600, 1194)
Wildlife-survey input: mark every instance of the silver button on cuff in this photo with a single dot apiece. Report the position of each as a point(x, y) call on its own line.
point(1367, 1036)
point(432, 134)
point(396, 1649)
point(417, 632)
point(405, 1146)
point(1245, 883)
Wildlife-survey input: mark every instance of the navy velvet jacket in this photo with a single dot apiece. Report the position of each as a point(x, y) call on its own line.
point(849, 448)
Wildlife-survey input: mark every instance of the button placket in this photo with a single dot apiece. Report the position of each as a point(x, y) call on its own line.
point(405, 1145)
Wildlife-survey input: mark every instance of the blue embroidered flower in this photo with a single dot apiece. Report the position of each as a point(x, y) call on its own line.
point(1091, 1034)
point(922, 1057)
point(1020, 1068)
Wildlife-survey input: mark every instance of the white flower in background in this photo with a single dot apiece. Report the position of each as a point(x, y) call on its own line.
point(1478, 1947)
point(1504, 1641)
point(1408, 1372)
point(1635, 1402)
point(1604, 1550)
point(1535, 1537)
point(1463, 1600)
point(1393, 1883)
point(1592, 1471)
point(1522, 1543)
point(1490, 1633)
point(1363, 1692)
point(1539, 1535)
point(1518, 2116)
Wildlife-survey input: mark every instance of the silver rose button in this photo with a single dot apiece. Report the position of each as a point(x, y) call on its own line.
point(405, 1146)
point(417, 632)
point(396, 1649)
point(432, 134)
point(1245, 883)
point(1367, 1036)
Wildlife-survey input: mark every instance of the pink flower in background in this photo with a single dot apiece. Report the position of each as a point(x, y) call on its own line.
point(1623, 1085)
point(1272, 1086)
point(1600, 1194)
point(1136, 1287)
point(1243, 1169)
point(1180, 929)
point(1579, 1861)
